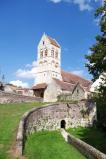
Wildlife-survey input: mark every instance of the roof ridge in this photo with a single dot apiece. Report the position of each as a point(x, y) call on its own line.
point(76, 75)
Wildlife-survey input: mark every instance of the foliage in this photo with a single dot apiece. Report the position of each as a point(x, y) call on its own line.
point(93, 136)
point(10, 115)
point(101, 112)
point(97, 63)
point(50, 145)
point(97, 59)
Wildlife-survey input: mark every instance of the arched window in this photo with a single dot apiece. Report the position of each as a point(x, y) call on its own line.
point(57, 64)
point(41, 53)
point(43, 42)
point(46, 52)
point(56, 54)
point(52, 53)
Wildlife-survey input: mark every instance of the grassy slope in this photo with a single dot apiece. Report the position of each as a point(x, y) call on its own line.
point(50, 145)
point(10, 115)
point(92, 136)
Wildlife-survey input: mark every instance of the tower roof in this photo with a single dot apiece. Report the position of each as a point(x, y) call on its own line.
point(53, 41)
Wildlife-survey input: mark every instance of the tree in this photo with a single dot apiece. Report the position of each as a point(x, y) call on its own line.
point(97, 59)
point(97, 63)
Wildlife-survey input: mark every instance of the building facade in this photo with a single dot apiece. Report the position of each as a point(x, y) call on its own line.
point(48, 60)
point(51, 81)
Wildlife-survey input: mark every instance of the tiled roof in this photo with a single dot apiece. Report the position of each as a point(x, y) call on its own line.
point(40, 86)
point(69, 82)
point(64, 85)
point(53, 42)
point(72, 78)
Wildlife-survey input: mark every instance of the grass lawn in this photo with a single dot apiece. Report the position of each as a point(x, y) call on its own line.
point(92, 136)
point(49, 145)
point(10, 115)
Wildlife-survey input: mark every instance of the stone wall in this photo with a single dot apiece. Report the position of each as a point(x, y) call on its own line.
point(15, 98)
point(51, 117)
point(89, 151)
point(51, 96)
point(78, 93)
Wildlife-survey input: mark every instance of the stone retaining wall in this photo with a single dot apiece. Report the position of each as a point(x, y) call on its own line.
point(86, 149)
point(15, 98)
point(50, 117)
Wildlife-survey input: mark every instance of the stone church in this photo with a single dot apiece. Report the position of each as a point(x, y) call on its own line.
point(51, 81)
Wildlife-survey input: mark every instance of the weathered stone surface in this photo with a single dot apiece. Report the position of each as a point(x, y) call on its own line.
point(15, 98)
point(51, 117)
point(85, 148)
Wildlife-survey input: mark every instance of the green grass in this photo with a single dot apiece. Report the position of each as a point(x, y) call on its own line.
point(93, 136)
point(50, 145)
point(10, 115)
point(42, 145)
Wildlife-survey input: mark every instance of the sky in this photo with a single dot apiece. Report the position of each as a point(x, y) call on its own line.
point(22, 23)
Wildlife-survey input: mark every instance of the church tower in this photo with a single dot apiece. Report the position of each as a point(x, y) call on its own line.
point(48, 60)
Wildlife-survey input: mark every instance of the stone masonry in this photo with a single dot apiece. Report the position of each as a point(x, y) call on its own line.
point(53, 117)
point(15, 98)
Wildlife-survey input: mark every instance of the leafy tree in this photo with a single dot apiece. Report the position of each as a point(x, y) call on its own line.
point(97, 59)
point(97, 62)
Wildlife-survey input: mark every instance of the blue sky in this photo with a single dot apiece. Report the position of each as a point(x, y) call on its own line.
point(22, 23)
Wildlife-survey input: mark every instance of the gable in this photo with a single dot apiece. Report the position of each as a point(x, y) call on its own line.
point(74, 79)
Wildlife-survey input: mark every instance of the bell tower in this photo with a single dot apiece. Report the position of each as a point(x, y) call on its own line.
point(48, 60)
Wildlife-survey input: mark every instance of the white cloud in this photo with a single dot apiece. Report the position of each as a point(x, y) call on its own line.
point(20, 83)
point(34, 64)
point(29, 72)
point(83, 4)
point(78, 72)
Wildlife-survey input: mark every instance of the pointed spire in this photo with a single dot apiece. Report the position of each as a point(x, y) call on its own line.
point(44, 34)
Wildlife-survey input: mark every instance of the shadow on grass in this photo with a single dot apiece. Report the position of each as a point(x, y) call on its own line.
point(93, 136)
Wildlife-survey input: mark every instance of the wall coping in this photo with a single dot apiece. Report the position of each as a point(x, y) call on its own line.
point(86, 149)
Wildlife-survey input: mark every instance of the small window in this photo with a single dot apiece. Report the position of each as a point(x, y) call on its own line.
point(46, 52)
point(77, 91)
point(52, 53)
point(41, 53)
point(56, 54)
point(43, 42)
